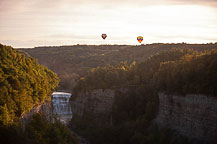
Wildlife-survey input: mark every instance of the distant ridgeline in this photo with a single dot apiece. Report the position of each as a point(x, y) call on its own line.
point(177, 71)
point(23, 84)
point(73, 62)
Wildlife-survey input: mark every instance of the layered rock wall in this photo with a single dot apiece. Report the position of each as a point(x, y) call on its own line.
point(44, 109)
point(97, 101)
point(194, 116)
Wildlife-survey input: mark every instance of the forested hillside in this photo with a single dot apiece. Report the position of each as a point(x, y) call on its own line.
point(73, 62)
point(194, 73)
point(137, 74)
point(180, 71)
point(24, 84)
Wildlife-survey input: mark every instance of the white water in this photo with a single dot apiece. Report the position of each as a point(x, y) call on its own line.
point(62, 106)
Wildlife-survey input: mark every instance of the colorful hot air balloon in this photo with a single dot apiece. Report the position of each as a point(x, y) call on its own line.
point(140, 39)
point(104, 36)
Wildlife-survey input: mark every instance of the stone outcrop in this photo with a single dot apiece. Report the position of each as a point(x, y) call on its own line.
point(97, 101)
point(194, 116)
point(44, 109)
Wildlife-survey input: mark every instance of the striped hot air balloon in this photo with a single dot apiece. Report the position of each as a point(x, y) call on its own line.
point(140, 39)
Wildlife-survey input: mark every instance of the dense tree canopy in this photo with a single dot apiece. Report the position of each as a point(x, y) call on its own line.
point(178, 71)
point(105, 77)
point(38, 131)
point(23, 84)
point(194, 73)
point(73, 62)
point(41, 131)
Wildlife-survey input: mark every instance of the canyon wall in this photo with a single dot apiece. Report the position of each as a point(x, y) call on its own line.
point(98, 102)
point(44, 109)
point(194, 116)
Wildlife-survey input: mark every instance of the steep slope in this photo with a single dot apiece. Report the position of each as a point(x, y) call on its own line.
point(136, 99)
point(23, 84)
point(25, 87)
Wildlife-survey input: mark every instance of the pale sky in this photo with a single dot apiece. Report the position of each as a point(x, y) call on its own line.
point(30, 23)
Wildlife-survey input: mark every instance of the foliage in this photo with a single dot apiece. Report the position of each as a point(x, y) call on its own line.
point(104, 77)
point(23, 84)
point(74, 62)
point(11, 134)
point(41, 131)
point(136, 100)
point(38, 131)
point(193, 73)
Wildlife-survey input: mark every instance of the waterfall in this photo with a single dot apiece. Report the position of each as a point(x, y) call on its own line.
point(61, 106)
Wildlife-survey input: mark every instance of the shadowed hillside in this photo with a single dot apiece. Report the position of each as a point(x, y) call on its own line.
point(134, 93)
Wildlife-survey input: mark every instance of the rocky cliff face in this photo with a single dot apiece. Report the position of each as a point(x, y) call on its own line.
point(98, 102)
point(194, 116)
point(44, 109)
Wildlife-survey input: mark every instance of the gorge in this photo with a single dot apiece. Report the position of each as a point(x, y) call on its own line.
point(121, 103)
point(193, 116)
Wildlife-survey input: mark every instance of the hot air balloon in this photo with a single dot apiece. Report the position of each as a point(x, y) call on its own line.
point(140, 39)
point(104, 36)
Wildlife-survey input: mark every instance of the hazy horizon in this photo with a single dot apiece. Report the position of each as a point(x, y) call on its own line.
point(29, 23)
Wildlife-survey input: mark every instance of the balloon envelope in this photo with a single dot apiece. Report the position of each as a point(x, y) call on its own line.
point(104, 36)
point(140, 39)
